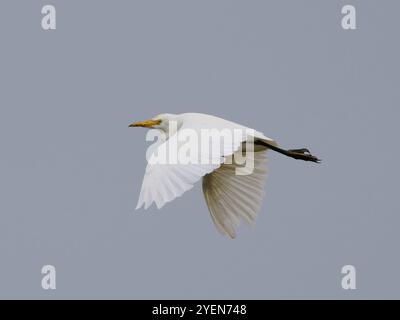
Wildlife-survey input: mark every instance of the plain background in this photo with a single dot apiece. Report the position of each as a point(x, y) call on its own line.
point(71, 169)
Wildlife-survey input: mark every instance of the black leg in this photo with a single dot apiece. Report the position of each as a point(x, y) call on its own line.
point(299, 154)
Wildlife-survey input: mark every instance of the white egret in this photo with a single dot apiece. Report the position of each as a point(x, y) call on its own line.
point(230, 197)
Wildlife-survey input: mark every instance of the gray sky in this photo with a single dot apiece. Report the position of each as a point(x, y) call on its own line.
point(71, 169)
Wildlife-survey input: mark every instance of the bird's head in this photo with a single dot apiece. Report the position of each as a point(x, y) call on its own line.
point(161, 122)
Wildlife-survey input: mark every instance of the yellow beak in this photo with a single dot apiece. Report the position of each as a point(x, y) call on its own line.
point(146, 124)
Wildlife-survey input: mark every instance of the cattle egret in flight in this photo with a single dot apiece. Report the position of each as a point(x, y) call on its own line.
point(231, 195)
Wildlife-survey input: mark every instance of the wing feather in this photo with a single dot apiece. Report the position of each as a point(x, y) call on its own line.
point(231, 198)
point(164, 182)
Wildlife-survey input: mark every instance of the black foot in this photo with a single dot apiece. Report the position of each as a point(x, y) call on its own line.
point(302, 154)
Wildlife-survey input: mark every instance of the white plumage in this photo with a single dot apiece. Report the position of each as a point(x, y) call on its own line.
point(230, 197)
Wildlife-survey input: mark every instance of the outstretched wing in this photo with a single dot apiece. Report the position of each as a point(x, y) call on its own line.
point(165, 181)
point(231, 197)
